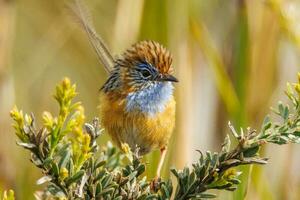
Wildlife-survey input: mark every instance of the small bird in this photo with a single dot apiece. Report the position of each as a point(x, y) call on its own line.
point(137, 106)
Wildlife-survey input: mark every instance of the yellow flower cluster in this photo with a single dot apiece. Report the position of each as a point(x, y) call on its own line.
point(80, 140)
point(59, 127)
point(19, 123)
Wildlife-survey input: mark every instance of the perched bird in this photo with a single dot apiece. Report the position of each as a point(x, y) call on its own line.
point(137, 106)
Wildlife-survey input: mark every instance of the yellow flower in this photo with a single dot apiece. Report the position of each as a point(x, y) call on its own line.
point(125, 147)
point(48, 120)
point(66, 83)
point(64, 173)
point(231, 173)
point(17, 116)
point(297, 88)
point(86, 143)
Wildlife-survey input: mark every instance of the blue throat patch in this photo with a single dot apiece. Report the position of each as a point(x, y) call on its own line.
point(150, 100)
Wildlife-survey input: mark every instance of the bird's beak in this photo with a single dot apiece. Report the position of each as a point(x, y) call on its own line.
point(167, 77)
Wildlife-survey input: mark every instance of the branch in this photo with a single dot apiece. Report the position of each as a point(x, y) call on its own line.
point(64, 149)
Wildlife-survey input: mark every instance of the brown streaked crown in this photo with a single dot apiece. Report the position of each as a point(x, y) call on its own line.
point(150, 52)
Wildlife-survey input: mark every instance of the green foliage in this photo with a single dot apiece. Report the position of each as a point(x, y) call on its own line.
point(64, 149)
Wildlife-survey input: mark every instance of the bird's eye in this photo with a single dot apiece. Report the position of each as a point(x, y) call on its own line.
point(145, 73)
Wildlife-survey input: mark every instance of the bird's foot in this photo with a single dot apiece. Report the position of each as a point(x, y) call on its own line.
point(155, 184)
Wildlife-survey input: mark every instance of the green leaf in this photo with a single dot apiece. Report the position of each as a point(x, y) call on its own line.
point(297, 133)
point(280, 108)
point(266, 124)
point(43, 180)
point(70, 166)
point(132, 175)
point(235, 181)
point(207, 196)
point(100, 175)
point(192, 177)
point(100, 164)
point(251, 151)
point(151, 197)
point(76, 177)
point(118, 198)
point(64, 158)
point(202, 172)
point(222, 157)
point(174, 172)
point(48, 161)
point(267, 120)
point(140, 169)
point(286, 113)
point(55, 169)
point(193, 186)
point(54, 189)
point(107, 180)
point(165, 192)
point(28, 146)
point(232, 188)
point(98, 188)
point(106, 191)
point(35, 160)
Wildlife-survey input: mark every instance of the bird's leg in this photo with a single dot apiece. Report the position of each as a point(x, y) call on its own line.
point(155, 182)
point(163, 152)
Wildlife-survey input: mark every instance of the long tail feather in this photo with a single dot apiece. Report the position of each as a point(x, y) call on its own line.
point(80, 11)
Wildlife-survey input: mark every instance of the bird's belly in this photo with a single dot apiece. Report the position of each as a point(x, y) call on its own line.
point(136, 137)
point(139, 130)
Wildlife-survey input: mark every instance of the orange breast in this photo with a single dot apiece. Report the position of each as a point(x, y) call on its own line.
point(135, 128)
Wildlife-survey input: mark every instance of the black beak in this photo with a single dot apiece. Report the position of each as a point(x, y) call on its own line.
point(167, 77)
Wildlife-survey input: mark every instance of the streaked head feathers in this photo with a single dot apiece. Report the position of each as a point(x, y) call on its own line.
point(144, 65)
point(149, 52)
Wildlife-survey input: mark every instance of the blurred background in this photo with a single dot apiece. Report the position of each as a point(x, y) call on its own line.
point(233, 59)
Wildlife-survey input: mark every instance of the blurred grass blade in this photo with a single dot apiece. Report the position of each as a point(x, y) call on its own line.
point(154, 24)
point(127, 23)
point(223, 82)
point(287, 19)
point(240, 61)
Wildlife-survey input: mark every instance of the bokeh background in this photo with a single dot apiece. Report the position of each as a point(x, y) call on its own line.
point(233, 59)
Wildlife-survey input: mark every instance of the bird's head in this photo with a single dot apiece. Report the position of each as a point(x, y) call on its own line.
point(145, 64)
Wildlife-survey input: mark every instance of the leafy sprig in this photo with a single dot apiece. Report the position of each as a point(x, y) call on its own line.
point(65, 146)
point(216, 170)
